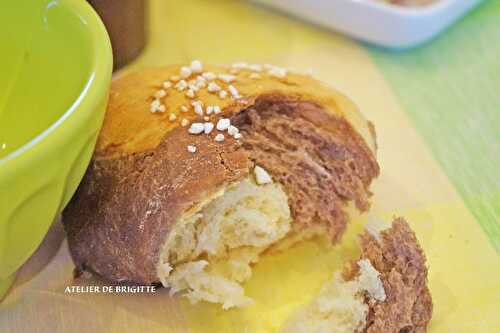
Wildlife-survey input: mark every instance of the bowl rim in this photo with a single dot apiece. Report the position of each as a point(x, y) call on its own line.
point(429, 9)
point(97, 80)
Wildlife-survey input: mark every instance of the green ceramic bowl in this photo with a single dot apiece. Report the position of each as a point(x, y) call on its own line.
point(55, 65)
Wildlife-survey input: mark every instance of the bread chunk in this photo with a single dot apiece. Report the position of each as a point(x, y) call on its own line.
point(208, 254)
point(384, 291)
point(197, 171)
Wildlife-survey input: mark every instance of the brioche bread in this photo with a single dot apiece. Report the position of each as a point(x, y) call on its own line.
point(197, 171)
point(384, 291)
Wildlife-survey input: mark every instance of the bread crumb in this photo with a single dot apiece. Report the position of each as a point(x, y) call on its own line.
point(191, 149)
point(340, 305)
point(184, 108)
point(338, 308)
point(174, 78)
point(217, 109)
point(369, 278)
point(219, 137)
point(212, 250)
point(172, 117)
point(190, 93)
point(261, 176)
point(167, 84)
point(184, 122)
point(166, 266)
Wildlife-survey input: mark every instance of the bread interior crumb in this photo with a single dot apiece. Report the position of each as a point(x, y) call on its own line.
point(209, 253)
point(340, 306)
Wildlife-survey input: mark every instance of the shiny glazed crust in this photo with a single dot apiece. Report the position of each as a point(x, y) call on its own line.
point(130, 127)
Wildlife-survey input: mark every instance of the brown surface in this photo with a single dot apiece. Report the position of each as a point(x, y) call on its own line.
point(142, 179)
point(122, 211)
point(401, 262)
point(125, 21)
point(318, 158)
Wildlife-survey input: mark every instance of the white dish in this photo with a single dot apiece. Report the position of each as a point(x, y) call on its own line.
point(392, 26)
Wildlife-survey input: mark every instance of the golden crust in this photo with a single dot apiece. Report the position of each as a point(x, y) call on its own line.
point(130, 127)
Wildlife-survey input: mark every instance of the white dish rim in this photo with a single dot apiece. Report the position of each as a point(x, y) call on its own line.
point(409, 11)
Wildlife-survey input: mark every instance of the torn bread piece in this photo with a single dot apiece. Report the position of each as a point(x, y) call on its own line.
point(385, 291)
point(192, 201)
point(229, 233)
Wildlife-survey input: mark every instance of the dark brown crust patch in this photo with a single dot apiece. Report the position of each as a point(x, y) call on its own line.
point(318, 158)
point(401, 263)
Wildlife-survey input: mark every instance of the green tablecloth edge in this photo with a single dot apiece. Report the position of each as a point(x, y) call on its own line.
point(450, 89)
